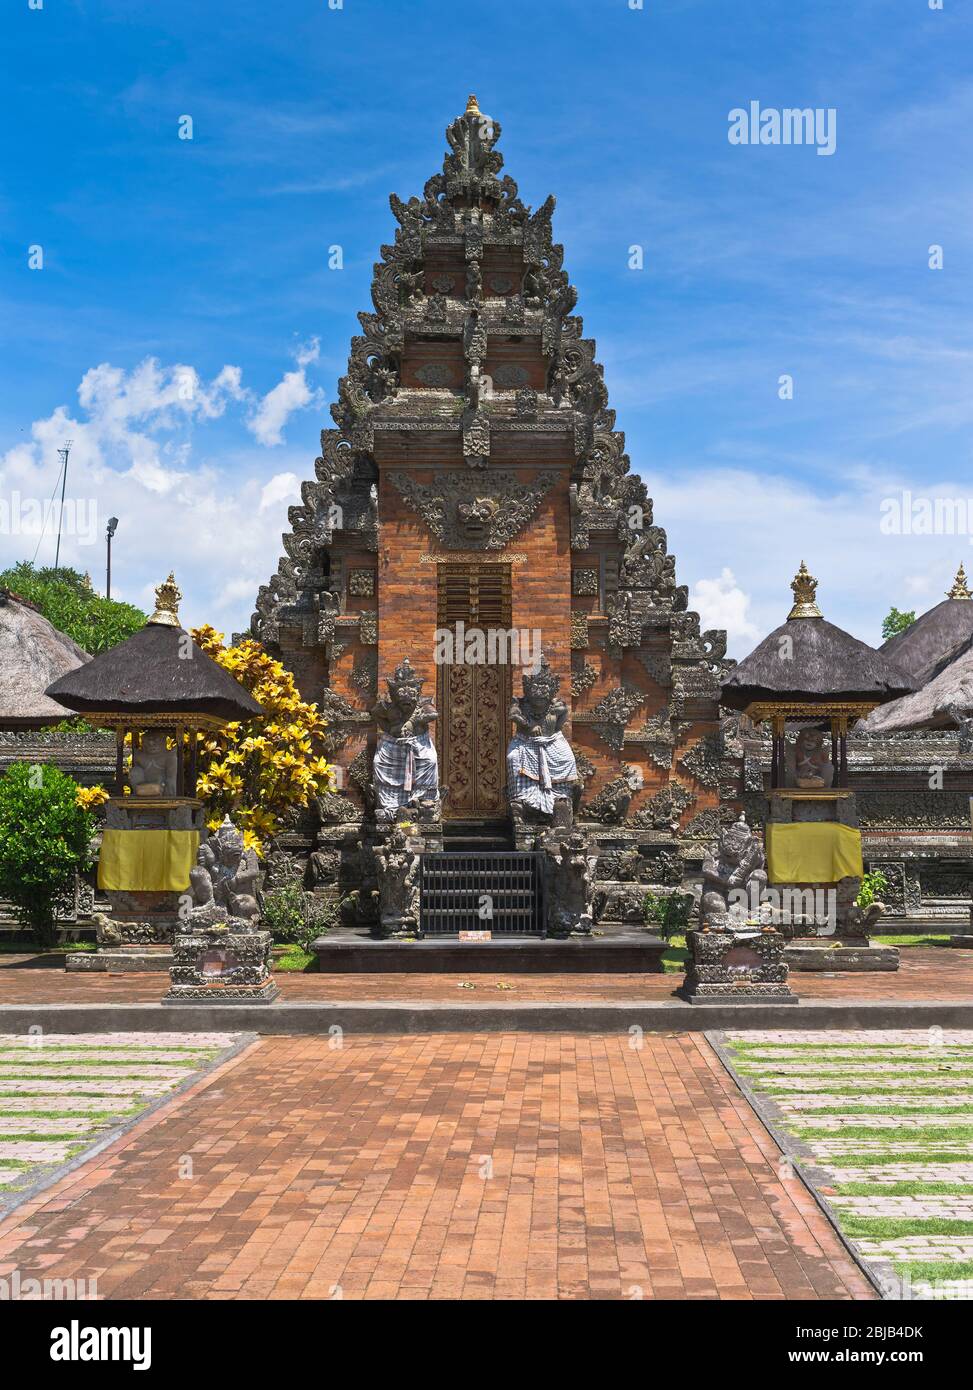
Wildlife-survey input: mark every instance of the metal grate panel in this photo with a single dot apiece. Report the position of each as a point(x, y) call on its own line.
point(454, 885)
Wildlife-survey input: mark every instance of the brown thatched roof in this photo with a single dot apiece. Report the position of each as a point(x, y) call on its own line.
point(150, 673)
point(158, 670)
point(32, 654)
point(930, 640)
point(942, 703)
point(811, 659)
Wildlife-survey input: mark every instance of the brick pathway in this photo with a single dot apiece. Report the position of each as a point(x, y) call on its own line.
point(927, 973)
point(442, 1167)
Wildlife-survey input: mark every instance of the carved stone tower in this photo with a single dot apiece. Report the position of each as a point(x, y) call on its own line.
point(475, 480)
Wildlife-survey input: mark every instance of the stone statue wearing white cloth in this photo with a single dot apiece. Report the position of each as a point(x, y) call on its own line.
point(542, 776)
point(405, 770)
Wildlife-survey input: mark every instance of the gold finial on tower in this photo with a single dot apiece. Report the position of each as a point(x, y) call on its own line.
point(167, 598)
point(471, 107)
point(804, 585)
point(960, 587)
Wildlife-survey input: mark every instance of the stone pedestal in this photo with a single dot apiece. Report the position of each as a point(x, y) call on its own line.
point(231, 967)
point(841, 954)
point(119, 959)
point(140, 931)
point(736, 967)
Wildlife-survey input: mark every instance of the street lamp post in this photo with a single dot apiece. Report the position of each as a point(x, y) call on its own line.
point(110, 531)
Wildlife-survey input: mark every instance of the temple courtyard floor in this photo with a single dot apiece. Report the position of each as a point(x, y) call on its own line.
point(490, 1160)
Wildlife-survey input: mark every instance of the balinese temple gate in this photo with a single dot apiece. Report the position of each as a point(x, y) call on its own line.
point(475, 492)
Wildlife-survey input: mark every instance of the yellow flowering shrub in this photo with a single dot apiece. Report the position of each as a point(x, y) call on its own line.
point(90, 798)
point(258, 770)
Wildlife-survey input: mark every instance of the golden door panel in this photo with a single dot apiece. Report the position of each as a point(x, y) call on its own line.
point(473, 716)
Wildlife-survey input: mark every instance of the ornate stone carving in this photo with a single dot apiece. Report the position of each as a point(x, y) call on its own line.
point(583, 678)
point(610, 716)
point(435, 374)
point(584, 583)
point(611, 804)
point(662, 811)
point(703, 761)
point(579, 631)
point(504, 505)
point(364, 674)
point(368, 629)
point(361, 583)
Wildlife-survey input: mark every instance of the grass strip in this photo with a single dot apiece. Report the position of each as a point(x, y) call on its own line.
point(896, 1111)
point(889, 1158)
point(903, 1189)
point(956, 1134)
point(895, 1227)
point(935, 1271)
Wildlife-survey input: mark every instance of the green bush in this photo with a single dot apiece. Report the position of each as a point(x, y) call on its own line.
point(294, 916)
point(45, 842)
point(668, 914)
point(67, 600)
point(874, 884)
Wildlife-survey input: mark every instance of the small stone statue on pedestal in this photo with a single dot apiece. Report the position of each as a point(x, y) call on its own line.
point(220, 955)
point(734, 879)
point(569, 883)
point(397, 871)
point(542, 776)
point(733, 956)
point(153, 770)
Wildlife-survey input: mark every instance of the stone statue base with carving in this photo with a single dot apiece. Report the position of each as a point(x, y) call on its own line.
point(227, 966)
point(736, 967)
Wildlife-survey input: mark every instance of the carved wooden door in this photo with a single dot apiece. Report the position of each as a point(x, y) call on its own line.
point(474, 695)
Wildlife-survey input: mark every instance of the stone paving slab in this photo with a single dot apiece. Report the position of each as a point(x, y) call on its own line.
point(77, 1124)
point(443, 1166)
point(835, 1148)
point(84, 1104)
point(903, 1172)
point(926, 1248)
point(823, 1099)
point(93, 1086)
point(929, 1208)
point(34, 1153)
point(879, 1121)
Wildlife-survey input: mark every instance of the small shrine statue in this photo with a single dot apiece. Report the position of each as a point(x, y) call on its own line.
point(397, 873)
point(153, 770)
point(405, 771)
point(569, 883)
point(224, 882)
point(542, 775)
point(734, 879)
point(808, 761)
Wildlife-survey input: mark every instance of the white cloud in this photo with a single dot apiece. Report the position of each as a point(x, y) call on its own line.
point(721, 603)
point(291, 393)
point(134, 457)
point(281, 488)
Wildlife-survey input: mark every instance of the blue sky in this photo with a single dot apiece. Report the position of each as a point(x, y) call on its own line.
point(168, 260)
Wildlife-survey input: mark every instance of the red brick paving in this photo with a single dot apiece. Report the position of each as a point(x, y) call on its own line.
point(358, 1172)
point(930, 973)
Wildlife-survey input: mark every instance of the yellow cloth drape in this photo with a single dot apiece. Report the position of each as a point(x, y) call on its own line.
point(812, 852)
point(147, 861)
